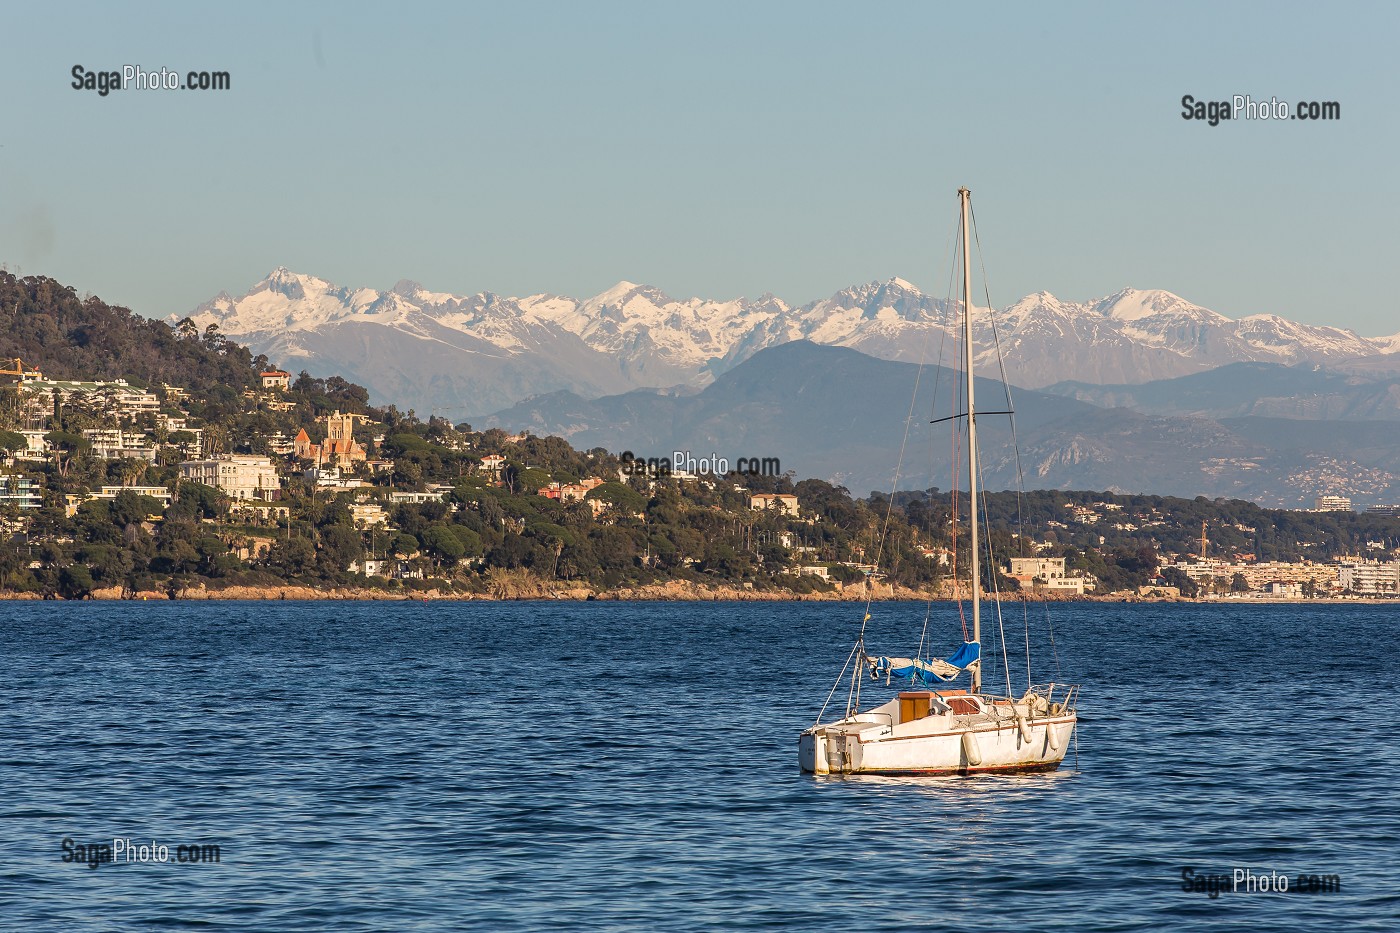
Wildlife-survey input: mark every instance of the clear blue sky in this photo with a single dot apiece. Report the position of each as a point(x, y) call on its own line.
point(708, 149)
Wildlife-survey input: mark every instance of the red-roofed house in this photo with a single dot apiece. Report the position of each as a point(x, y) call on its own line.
point(276, 379)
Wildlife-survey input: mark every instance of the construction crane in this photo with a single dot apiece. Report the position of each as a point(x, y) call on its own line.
point(21, 372)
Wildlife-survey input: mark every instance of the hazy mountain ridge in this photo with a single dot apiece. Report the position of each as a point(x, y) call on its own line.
point(484, 351)
point(1269, 390)
point(838, 414)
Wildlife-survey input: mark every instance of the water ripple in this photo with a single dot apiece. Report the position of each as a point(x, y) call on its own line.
point(622, 767)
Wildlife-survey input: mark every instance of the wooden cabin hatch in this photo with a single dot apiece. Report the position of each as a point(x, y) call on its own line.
point(914, 704)
point(964, 705)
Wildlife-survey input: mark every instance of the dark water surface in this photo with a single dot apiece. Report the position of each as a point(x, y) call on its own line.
point(601, 766)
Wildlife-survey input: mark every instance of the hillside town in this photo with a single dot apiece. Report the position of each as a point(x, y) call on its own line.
point(1215, 572)
point(119, 486)
point(138, 487)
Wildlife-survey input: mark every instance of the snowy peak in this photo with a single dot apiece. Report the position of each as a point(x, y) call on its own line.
point(1388, 344)
point(293, 285)
point(282, 282)
point(643, 337)
point(615, 295)
point(627, 300)
point(892, 290)
point(878, 304)
point(1041, 303)
point(1133, 304)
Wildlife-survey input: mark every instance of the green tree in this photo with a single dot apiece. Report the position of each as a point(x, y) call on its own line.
point(472, 545)
point(75, 582)
point(130, 509)
point(341, 545)
point(619, 496)
point(66, 447)
point(442, 543)
point(1175, 576)
point(528, 482)
point(197, 500)
point(291, 557)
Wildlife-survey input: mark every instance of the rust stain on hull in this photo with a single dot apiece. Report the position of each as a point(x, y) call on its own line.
point(931, 772)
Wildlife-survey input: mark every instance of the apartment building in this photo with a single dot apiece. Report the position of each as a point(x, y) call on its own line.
point(242, 476)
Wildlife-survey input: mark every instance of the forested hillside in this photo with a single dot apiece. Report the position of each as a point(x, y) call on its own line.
point(49, 326)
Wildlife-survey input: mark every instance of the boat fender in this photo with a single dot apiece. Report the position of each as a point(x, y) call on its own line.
point(970, 749)
point(1052, 737)
point(1024, 727)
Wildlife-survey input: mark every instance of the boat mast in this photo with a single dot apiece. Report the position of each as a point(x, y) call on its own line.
point(964, 199)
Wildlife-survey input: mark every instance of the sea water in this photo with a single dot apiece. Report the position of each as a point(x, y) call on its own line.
point(633, 766)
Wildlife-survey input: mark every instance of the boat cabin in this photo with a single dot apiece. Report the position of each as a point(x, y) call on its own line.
point(920, 704)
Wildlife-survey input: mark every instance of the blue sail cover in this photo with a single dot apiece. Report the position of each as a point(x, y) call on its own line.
point(927, 672)
point(969, 652)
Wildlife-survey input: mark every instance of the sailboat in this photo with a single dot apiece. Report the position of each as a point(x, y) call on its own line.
point(945, 731)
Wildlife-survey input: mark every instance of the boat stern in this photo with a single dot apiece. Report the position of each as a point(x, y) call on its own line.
point(811, 752)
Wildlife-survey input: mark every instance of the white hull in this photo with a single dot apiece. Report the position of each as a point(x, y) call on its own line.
point(940, 744)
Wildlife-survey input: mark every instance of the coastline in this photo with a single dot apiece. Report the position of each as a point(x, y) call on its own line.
point(675, 591)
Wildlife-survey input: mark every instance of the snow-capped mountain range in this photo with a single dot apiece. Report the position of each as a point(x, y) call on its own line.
point(478, 353)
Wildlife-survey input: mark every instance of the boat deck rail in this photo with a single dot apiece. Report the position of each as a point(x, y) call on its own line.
point(1068, 697)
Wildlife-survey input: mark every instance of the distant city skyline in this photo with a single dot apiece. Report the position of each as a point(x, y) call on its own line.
point(720, 151)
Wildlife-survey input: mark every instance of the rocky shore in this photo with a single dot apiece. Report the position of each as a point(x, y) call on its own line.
point(522, 588)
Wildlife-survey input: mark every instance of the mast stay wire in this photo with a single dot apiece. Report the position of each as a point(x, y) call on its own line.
point(948, 327)
point(853, 696)
point(1016, 450)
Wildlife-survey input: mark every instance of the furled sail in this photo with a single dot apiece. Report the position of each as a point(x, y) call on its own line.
point(919, 671)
